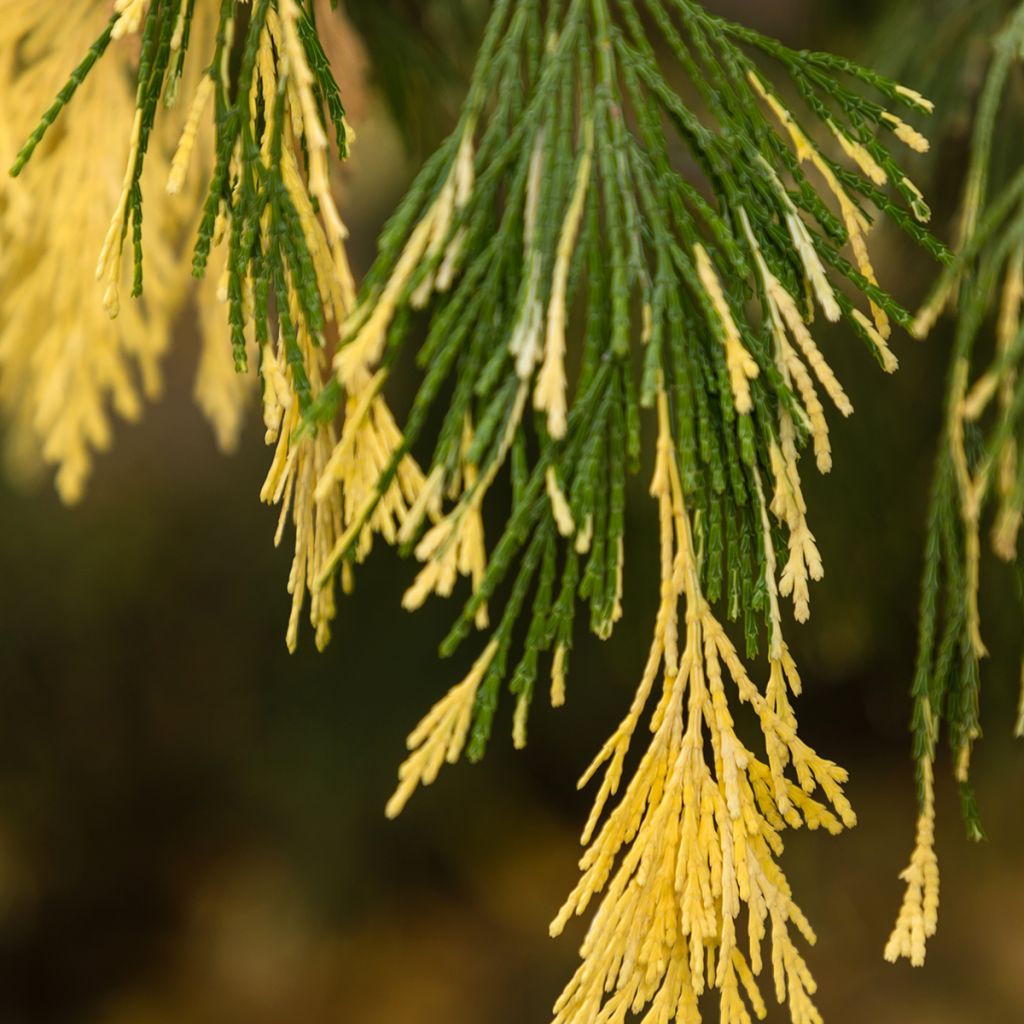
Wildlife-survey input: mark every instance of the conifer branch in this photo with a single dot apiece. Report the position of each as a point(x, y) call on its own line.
point(585, 246)
point(979, 474)
point(255, 141)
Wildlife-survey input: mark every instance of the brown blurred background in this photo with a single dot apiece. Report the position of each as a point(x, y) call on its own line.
point(191, 826)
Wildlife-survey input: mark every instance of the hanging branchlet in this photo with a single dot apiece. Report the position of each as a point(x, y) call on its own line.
point(694, 839)
point(571, 276)
point(235, 109)
point(978, 483)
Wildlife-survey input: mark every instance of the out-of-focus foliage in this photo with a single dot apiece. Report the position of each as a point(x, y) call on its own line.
point(978, 485)
point(942, 46)
point(421, 53)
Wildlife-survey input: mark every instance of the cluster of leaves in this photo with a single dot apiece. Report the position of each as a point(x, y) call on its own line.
point(576, 91)
point(245, 185)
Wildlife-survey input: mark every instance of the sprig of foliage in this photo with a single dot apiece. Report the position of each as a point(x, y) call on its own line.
point(586, 245)
point(978, 469)
point(269, 233)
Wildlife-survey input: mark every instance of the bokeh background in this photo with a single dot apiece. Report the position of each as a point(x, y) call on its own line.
point(191, 820)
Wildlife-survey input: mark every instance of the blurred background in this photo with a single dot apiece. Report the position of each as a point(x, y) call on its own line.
point(191, 820)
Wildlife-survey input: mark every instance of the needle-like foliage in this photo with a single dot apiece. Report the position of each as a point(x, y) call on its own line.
point(633, 214)
point(641, 212)
point(979, 474)
point(251, 161)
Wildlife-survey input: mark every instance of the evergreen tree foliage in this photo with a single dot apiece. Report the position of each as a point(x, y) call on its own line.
point(979, 476)
point(613, 265)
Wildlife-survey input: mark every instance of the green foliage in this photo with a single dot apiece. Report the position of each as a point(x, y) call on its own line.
point(978, 465)
point(418, 54)
point(942, 47)
point(657, 121)
point(64, 97)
